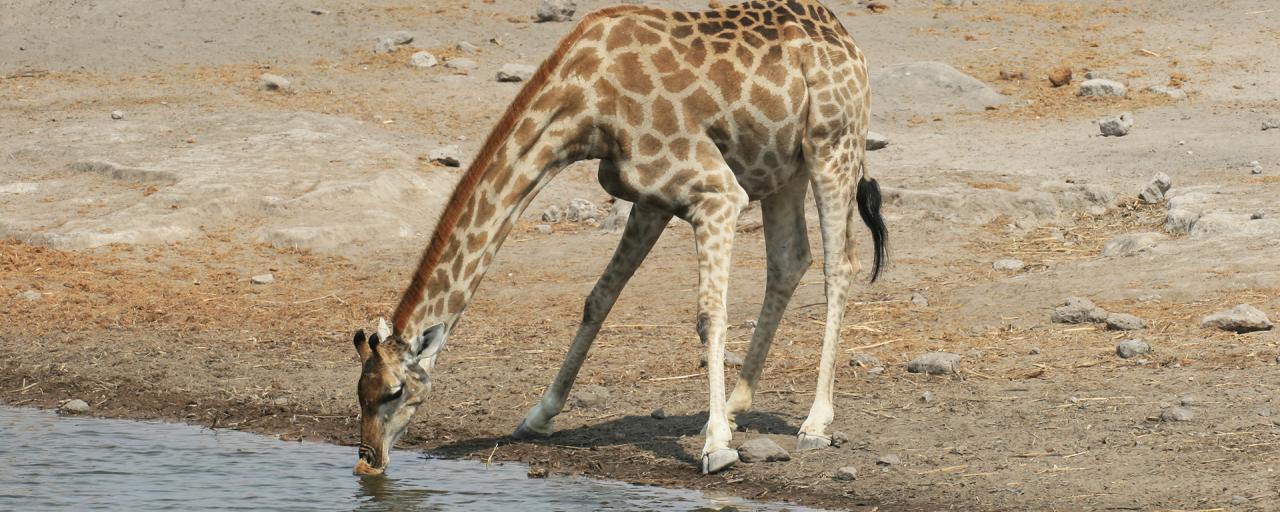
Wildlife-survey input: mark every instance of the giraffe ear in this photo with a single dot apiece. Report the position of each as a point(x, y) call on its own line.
point(384, 331)
point(362, 346)
point(431, 341)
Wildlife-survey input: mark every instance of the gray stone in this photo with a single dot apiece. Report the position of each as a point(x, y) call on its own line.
point(515, 72)
point(1116, 126)
point(1258, 215)
point(1156, 189)
point(385, 45)
point(919, 300)
point(272, 82)
point(839, 439)
point(935, 363)
point(864, 360)
point(888, 460)
point(1242, 318)
point(731, 360)
point(74, 406)
point(1129, 349)
point(30, 295)
point(590, 397)
point(1271, 124)
point(117, 115)
point(542, 228)
point(552, 214)
point(1125, 322)
point(658, 414)
point(762, 449)
point(616, 219)
point(927, 397)
point(1257, 169)
point(1078, 310)
point(1187, 401)
point(1180, 221)
point(263, 279)
point(1035, 351)
point(581, 210)
point(445, 155)
point(931, 88)
point(1177, 414)
point(467, 48)
point(423, 59)
point(878, 370)
point(556, 10)
point(846, 474)
point(400, 37)
point(1101, 87)
point(1239, 500)
point(1008, 265)
point(461, 63)
point(876, 141)
point(1130, 244)
point(1172, 92)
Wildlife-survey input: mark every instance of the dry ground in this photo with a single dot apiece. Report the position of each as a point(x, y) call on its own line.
point(175, 330)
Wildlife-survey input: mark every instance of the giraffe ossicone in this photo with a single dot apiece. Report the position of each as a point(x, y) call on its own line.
point(691, 115)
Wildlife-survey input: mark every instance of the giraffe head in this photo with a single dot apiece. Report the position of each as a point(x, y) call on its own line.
point(395, 377)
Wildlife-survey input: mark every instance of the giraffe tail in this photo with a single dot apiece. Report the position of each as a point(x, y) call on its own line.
point(868, 199)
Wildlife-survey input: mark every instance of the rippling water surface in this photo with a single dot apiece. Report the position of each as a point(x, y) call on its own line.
point(49, 462)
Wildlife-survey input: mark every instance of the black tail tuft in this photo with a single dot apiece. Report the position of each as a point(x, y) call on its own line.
point(869, 208)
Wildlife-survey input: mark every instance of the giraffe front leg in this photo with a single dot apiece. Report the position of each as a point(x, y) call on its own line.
point(644, 226)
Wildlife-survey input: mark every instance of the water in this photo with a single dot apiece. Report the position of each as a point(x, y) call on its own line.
point(48, 462)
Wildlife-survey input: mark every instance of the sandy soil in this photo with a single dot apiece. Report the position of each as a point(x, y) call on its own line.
point(142, 263)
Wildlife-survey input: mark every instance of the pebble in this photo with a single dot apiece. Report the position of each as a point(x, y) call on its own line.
point(1172, 92)
point(845, 474)
point(117, 115)
point(1129, 349)
point(556, 10)
point(31, 296)
point(1177, 414)
point(74, 406)
point(874, 372)
point(1116, 126)
point(1101, 87)
point(467, 48)
point(1125, 322)
point(1156, 189)
point(888, 460)
point(935, 363)
point(658, 414)
point(1060, 76)
point(1271, 124)
point(1242, 318)
point(319, 12)
point(581, 210)
point(1239, 500)
point(542, 228)
point(272, 82)
point(731, 360)
point(839, 438)
point(919, 300)
point(590, 397)
point(263, 279)
point(876, 141)
point(762, 449)
point(1187, 401)
point(423, 59)
point(385, 45)
point(1078, 310)
point(1035, 351)
point(1257, 169)
point(1008, 264)
point(445, 155)
point(552, 214)
point(1130, 244)
point(927, 397)
point(461, 63)
point(1258, 215)
point(515, 72)
point(864, 360)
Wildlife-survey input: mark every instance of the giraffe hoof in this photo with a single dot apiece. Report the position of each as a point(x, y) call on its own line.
point(719, 460)
point(811, 442)
point(524, 432)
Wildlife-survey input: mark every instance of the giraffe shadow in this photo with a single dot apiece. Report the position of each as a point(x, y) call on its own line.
point(660, 437)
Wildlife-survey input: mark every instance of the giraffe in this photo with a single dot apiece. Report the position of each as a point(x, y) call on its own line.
point(691, 115)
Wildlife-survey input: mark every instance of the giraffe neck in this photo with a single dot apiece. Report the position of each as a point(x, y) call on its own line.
point(538, 136)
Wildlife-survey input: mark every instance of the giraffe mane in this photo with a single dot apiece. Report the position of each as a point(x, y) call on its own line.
point(476, 171)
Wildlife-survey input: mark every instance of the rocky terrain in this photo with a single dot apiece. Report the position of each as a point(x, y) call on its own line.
point(200, 203)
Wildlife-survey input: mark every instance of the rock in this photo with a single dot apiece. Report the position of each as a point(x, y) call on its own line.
point(515, 72)
point(1060, 76)
point(445, 155)
point(423, 59)
point(556, 10)
point(1100, 87)
point(888, 460)
point(1177, 414)
point(461, 63)
point(400, 37)
point(1180, 221)
point(931, 88)
point(1271, 124)
point(935, 363)
point(1257, 169)
point(658, 414)
point(318, 12)
point(1172, 92)
point(616, 219)
point(1078, 310)
point(1125, 322)
point(1156, 189)
point(731, 360)
point(385, 45)
point(74, 406)
point(927, 397)
point(1116, 126)
point(1006, 74)
point(1129, 349)
point(1258, 215)
point(1035, 351)
point(263, 279)
point(542, 228)
point(876, 141)
point(31, 296)
point(845, 474)
point(467, 48)
point(839, 439)
point(919, 300)
point(117, 115)
point(590, 397)
point(581, 210)
point(272, 82)
point(1008, 265)
point(762, 449)
point(1187, 401)
point(1242, 318)
point(864, 360)
point(1239, 500)
point(1130, 244)
point(552, 214)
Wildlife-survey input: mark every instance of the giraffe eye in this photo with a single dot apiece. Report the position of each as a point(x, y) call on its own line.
point(395, 394)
